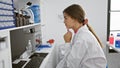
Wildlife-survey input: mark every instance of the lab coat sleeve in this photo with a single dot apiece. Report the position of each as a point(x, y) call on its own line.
point(63, 50)
point(52, 58)
point(56, 55)
point(77, 53)
point(63, 53)
point(73, 56)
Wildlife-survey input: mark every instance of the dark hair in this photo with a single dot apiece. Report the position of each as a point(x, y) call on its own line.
point(76, 12)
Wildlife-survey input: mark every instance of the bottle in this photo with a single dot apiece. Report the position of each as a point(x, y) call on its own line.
point(36, 13)
point(111, 39)
point(117, 41)
point(29, 47)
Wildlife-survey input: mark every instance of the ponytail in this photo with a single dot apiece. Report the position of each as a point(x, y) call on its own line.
point(91, 30)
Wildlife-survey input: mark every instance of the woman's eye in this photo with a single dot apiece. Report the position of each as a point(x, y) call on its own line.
point(64, 18)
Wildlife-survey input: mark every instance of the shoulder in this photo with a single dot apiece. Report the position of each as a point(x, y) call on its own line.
point(85, 38)
point(84, 35)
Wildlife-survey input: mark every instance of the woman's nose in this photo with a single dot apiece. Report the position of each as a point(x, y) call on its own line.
point(64, 21)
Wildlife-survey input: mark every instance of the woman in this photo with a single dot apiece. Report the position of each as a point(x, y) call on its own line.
point(84, 50)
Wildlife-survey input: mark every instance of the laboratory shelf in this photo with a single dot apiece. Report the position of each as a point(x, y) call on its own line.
point(26, 26)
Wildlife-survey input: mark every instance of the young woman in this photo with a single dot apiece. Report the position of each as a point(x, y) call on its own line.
point(84, 50)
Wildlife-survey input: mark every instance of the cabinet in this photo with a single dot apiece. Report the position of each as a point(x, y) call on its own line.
point(5, 51)
point(16, 36)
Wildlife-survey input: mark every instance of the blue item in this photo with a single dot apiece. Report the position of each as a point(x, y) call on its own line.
point(107, 66)
point(43, 46)
point(117, 41)
point(36, 12)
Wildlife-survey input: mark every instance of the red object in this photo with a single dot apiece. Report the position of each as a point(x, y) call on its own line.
point(37, 40)
point(111, 39)
point(51, 41)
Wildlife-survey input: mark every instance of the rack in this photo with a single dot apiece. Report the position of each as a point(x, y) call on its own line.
point(6, 14)
point(8, 30)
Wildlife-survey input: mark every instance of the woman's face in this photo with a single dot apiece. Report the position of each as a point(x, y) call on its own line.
point(69, 22)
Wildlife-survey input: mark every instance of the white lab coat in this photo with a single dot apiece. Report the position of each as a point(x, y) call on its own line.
point(83, 52)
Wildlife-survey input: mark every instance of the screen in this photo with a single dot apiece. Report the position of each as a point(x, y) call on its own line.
point(18, 43)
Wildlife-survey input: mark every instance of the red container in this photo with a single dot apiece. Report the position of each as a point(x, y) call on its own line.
point(111, 39)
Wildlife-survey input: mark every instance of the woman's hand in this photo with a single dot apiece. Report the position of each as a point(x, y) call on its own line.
point(68, 37)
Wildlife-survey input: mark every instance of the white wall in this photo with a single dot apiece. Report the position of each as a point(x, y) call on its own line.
point(51, 13)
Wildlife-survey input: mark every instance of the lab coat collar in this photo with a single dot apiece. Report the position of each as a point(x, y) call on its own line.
point(82, 28)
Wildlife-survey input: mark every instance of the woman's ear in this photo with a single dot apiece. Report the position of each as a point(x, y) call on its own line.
point(86, 21)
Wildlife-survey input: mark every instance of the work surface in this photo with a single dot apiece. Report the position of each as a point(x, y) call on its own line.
point(34, 61)
point(113, 47)
point(37, 59)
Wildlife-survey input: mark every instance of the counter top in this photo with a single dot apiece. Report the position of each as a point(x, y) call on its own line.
point(113, 47)
point(45, 49)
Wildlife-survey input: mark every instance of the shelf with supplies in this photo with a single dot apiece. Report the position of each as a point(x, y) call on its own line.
point(22, 27)
point(6, 14)
point(15, 32)
point(6, 22)
point(113, 47)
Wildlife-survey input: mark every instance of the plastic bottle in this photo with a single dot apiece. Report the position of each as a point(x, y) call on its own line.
point(29, 47)
point(117, 41)
point(111, 39)
point(36, 13)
